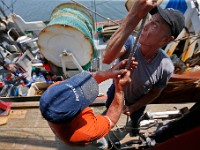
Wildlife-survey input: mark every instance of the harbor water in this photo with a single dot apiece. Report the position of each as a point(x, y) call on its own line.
point(34, 10)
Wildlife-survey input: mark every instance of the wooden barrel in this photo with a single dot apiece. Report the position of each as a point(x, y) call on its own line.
point(70, 29)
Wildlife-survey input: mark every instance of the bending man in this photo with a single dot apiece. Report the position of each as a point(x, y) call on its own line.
point(65, 105)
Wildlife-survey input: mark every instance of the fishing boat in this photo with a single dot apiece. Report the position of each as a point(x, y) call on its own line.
point(22, 126)
point(26, 45)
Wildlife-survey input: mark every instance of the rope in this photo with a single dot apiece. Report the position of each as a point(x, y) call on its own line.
point(125, 127)
point(187, 37)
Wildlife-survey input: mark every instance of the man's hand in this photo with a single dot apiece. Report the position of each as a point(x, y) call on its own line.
point(142, 5)
point(129, 3)
point(116, 71)
point(127, 111)
point(119, 69)
point(123, 80)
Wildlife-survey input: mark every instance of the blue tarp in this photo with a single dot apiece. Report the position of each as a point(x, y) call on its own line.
point(177, 4)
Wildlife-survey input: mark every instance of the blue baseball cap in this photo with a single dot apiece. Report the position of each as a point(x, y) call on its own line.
point(62, 102)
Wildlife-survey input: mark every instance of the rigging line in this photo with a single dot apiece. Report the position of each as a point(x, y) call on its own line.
point(95, 12)
point(194, 40)
point(97, 4)
point(113, 144)
point(3, 13)
point(187, 37)
point(123, 128)
point(5, 5)
point(12, 5)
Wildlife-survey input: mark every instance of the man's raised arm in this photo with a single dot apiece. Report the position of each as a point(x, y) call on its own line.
point(138, 11)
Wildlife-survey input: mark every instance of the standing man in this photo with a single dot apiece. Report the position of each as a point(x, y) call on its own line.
point(154, 66)
point(65, 105)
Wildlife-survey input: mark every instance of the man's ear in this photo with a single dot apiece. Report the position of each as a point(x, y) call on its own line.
point(169, 39)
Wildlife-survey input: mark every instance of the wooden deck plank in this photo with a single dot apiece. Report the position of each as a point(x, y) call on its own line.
point(24, 118)
point(37, 133)
point(27, 130)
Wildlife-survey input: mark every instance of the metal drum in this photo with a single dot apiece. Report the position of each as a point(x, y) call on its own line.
point(70, 29)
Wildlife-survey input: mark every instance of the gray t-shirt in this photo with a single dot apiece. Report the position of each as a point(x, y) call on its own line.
point(146, 75)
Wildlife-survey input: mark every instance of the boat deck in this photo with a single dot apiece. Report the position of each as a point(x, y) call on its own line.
point(25, 128)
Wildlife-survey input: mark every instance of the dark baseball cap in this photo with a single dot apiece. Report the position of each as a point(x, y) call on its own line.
point(173, 17)
point(62, 102)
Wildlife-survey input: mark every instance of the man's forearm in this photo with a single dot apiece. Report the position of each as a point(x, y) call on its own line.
point(146, 99)
point(114, 45)
point(100, 76)
point(116, 107)
point(118, 39)
point(113, 72)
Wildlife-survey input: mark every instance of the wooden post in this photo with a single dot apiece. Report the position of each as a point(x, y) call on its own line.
point(189, 52)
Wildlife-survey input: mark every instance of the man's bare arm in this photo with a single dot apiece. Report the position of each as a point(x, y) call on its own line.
point(114, 72)
point(116, 107)
point(122, 79)
point(138, 10)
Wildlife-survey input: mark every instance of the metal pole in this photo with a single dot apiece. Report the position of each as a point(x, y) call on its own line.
point(133, 52)
point(135, 43)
